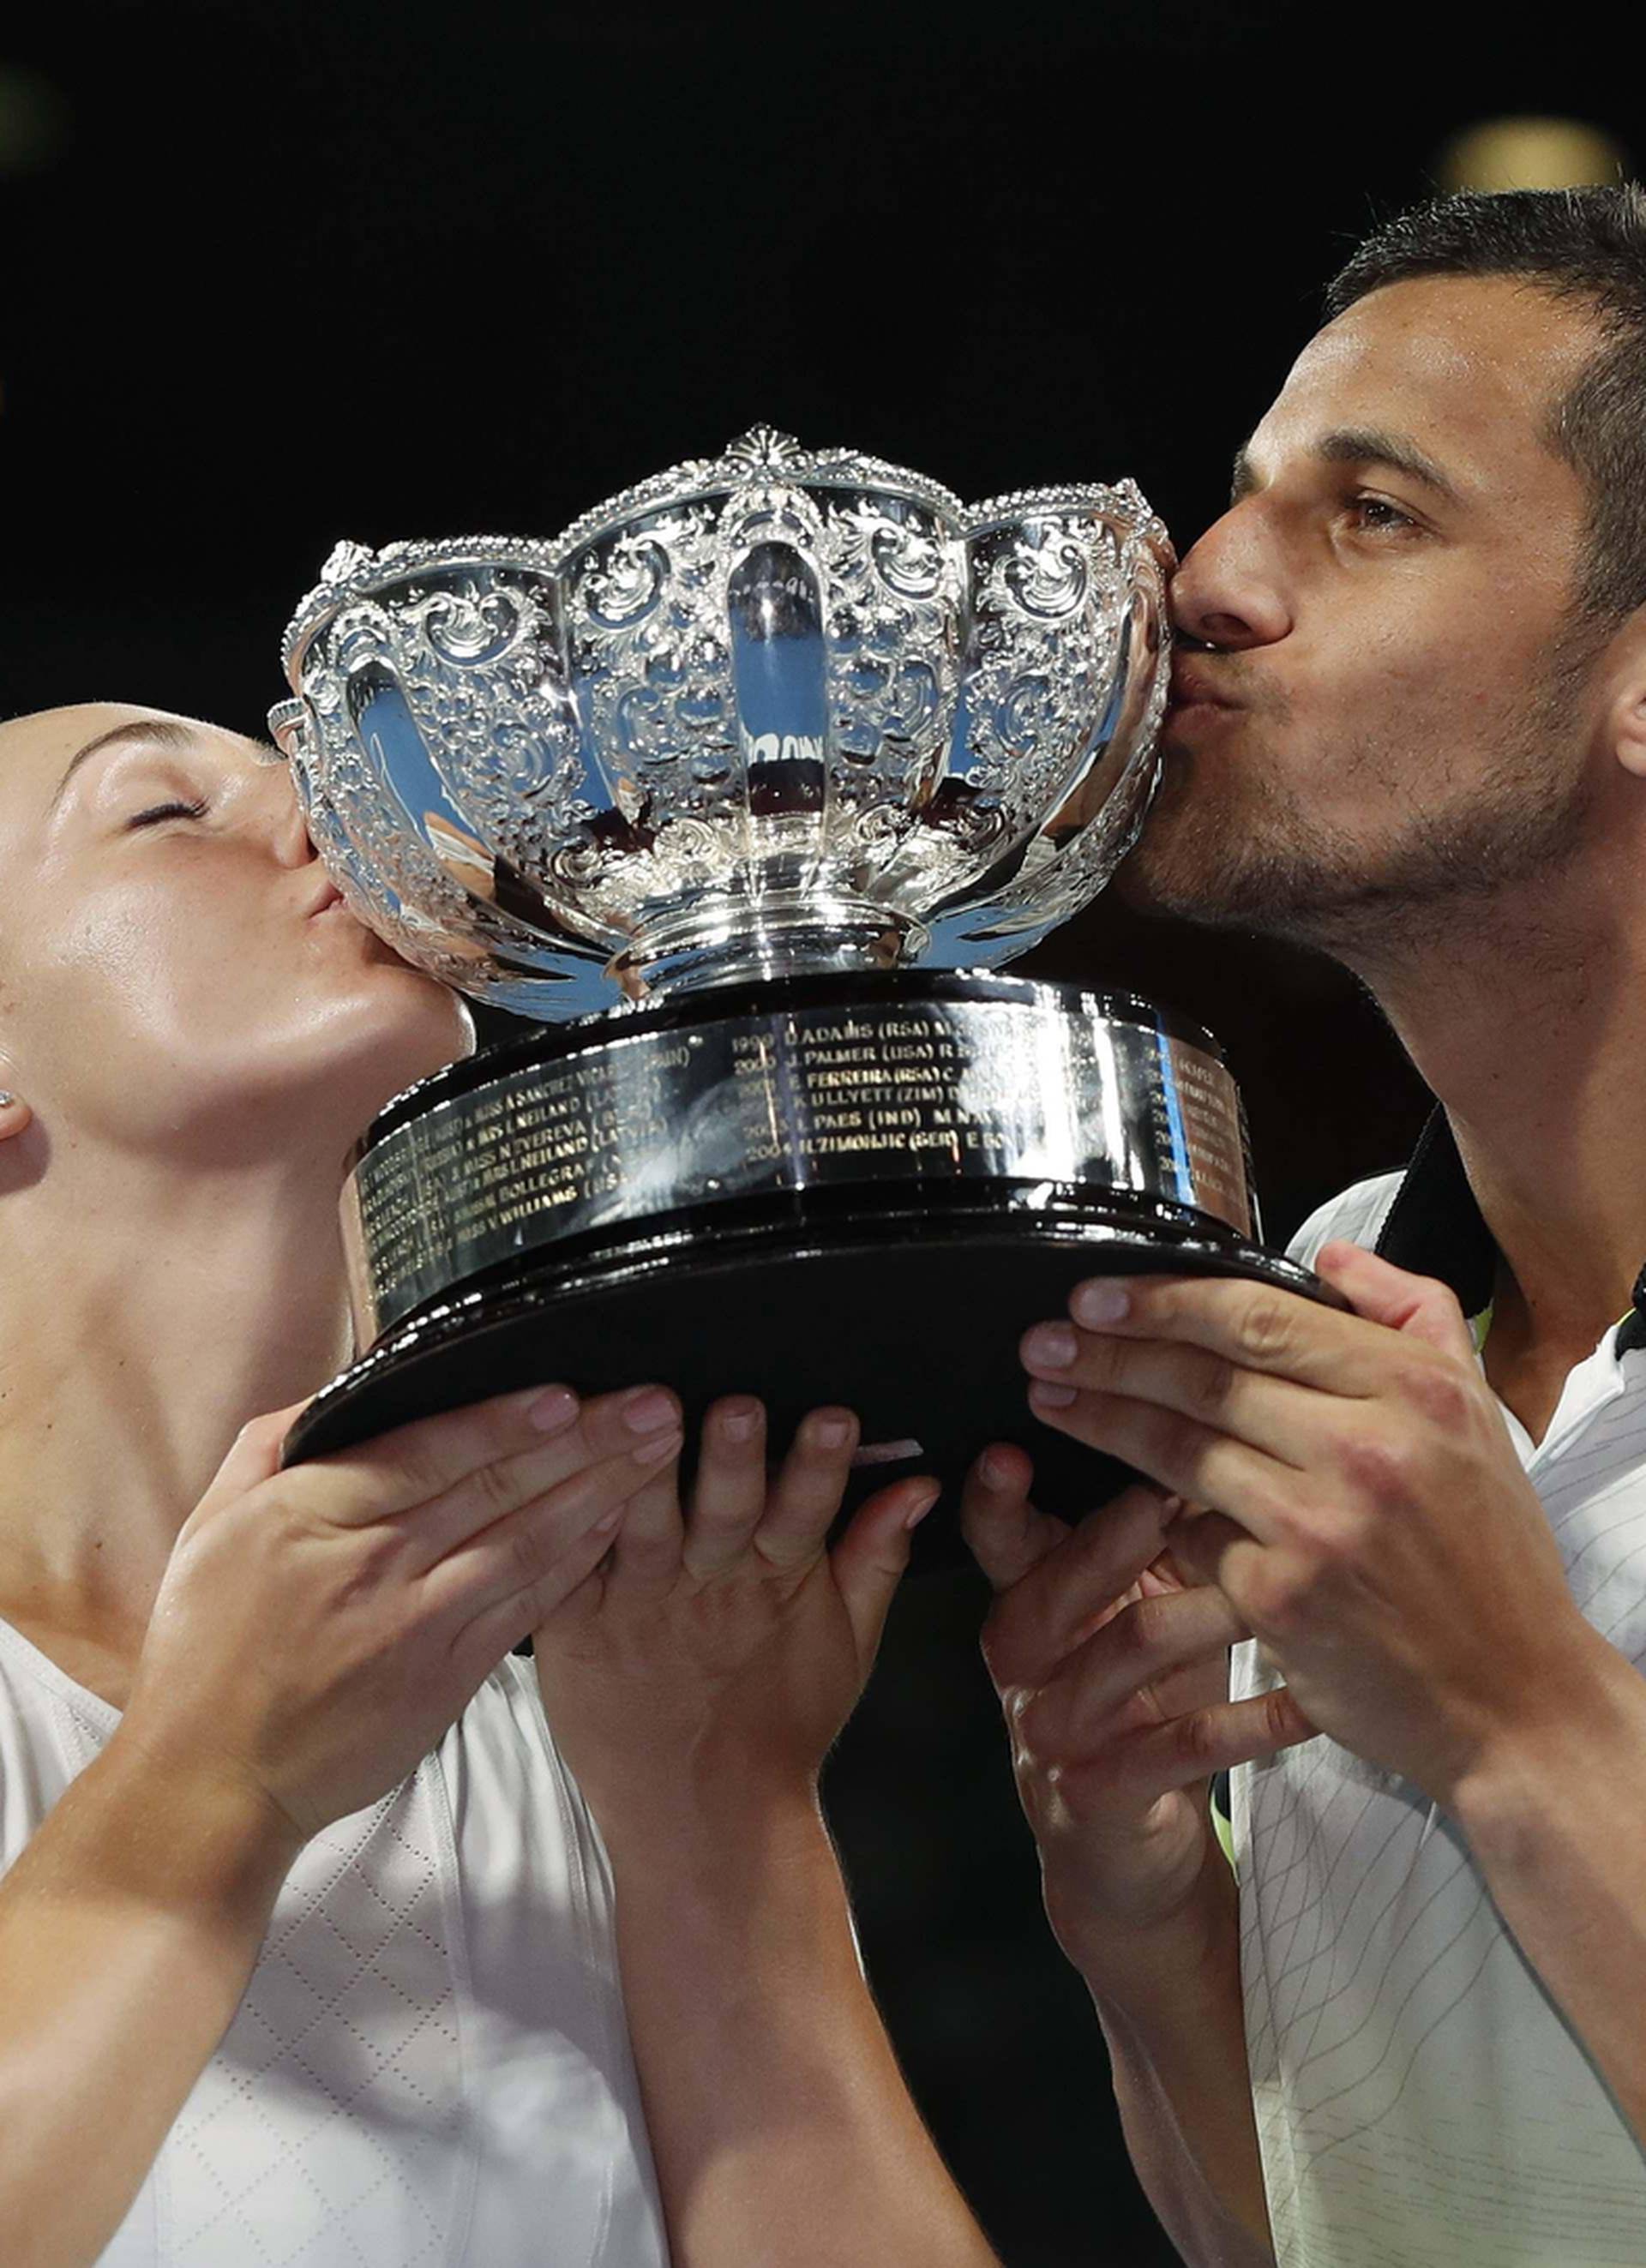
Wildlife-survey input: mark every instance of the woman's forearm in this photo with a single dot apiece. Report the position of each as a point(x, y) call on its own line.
point(1207, 2192)
point(782, 2128)
point(1170, 2007)
point(129, 1928)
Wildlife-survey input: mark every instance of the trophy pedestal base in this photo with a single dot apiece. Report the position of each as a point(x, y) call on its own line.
point(906, 1307)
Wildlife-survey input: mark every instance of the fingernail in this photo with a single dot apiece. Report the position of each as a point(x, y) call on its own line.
point(993, 1471)
point(648, 1408)
point(1052, 1346)
point(740, 1423)
point(831, 1432)
point(552, 1412)
point(658, 1449)
point(1101, 1300)
point(1044, 1395)
point(921, 1506)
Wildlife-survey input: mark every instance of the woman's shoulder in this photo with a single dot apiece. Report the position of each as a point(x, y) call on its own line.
point(508, 1796)
point(507, 1708)
point(50, 1730)
point(501, 1752)
point(527, 1854)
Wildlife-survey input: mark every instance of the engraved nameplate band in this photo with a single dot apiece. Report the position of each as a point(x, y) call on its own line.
point(630, 1127)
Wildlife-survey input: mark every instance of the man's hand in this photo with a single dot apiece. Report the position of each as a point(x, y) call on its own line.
point(1112, 1671)
point(728, 1632)
point(1374, 1528)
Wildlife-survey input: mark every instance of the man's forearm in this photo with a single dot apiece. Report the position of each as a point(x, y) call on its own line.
point(784, 2134)
point(1556, 1822)
point(1170, 2009)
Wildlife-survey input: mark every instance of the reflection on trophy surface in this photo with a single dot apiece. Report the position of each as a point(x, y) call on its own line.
point(715, 788)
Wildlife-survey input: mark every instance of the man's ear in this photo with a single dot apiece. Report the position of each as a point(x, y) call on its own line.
point(1627, 711)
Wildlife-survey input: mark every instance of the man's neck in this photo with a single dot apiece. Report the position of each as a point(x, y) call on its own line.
point(1532, 1035)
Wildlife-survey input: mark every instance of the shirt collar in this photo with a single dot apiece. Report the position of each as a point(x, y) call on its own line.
point(1433, 1228)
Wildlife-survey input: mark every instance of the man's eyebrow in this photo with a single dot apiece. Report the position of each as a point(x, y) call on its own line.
point(161, 732)
point(1359, 445)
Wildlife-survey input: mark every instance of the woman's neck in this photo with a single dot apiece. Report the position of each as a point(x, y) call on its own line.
point(146, 1317)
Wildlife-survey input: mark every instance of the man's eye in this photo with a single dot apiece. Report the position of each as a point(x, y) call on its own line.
point(168, 811)
point(1378, 512)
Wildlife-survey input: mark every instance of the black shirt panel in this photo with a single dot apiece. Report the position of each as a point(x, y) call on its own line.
point(1433, 1226)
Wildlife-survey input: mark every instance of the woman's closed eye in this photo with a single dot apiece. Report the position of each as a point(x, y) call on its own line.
point(169, 811)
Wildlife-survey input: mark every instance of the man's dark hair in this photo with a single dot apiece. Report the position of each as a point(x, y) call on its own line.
point(1588, 246)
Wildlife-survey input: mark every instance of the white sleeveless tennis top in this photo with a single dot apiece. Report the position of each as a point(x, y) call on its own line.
point(429, 2067)
point(1420, 2100)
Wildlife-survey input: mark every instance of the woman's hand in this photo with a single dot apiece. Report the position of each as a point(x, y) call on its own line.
point(319, 1628)
point(721, 1649)
point(694, 1685)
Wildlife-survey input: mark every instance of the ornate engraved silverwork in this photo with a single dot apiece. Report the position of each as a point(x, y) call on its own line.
point(780, 712)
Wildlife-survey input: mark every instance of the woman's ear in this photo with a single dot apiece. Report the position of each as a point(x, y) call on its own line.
point(14, 1114)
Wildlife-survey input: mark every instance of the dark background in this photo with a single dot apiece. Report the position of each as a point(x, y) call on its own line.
point(275, 275)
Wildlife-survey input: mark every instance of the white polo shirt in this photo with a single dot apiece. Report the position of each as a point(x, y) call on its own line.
point(429, 2067)
point(1421, 2101)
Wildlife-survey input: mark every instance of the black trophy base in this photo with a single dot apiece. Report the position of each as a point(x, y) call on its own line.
point(906, 1305)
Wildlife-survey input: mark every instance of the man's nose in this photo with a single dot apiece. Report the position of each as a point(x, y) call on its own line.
point(1229, 591)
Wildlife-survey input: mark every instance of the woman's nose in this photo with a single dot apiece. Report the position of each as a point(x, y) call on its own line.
point(296, 845)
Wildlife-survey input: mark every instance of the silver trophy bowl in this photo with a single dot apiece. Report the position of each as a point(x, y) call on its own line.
point(779, 713)
point(717, 788)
